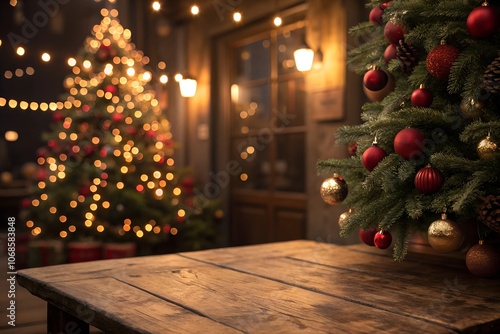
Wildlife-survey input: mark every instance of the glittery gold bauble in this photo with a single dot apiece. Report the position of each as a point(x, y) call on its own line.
point(343, 217)
point(472, 109)
point(334, 190)
point(487, 148)
point(483, 260)
point(445, 235)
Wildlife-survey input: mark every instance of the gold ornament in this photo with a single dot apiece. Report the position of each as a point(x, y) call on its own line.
point(472, 109)
point(343, 217)
point(487, 148)
point(445, 235)
point(334, 190)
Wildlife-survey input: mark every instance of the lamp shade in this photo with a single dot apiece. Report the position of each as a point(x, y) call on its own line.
point(304, 58)
point(188, 87)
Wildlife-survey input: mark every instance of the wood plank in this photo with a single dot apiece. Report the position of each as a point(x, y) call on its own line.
point(444, 304)
point(221, 255)
point(256, 305)
point(116, 307)
point(420, 268)
point(105, 268)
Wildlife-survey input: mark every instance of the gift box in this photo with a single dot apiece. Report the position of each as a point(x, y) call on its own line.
point(84, 251)
point(45, 253)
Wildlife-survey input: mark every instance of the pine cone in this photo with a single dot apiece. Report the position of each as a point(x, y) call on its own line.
point(407, 54)
point(489, 212)
point(491, 77)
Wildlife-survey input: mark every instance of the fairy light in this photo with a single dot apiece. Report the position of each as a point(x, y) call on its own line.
point(20, 51)
point(277, 21)
point(156, 6)
point(46, 57)
point(237, 16)
point(178, 77)
point(195, 10)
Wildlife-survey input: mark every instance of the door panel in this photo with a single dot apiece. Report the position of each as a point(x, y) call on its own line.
point(267, 136)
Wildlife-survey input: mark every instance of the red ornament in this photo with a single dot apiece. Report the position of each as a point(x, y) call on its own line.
point(393, 32)
point(367, 236)
point(421, 97)
point(428, 180)
point(151, 134)
point(390, 53)
point(375, 79)
point(57, 116)
point(382, 239)
point(483, 260)
point(103, 152)
point(84, 189)
point(111, 89)
point(440, 59)
point(352, 148)
point(117, 117)
point(408, 142)
point(483, 21)
point(41, 174)
point(131, 130)
point(52, 143)
point(89, 149)
point(25, 203)
point(372, 156)
point(376, 15)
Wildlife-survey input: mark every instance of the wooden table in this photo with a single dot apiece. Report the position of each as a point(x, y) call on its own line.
point(296, 286)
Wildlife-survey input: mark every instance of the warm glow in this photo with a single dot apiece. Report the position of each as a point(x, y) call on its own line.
point(11, 136)
point(303, 59)
point(164, 79)
point(45, 57)
point(237, 16)
point(188, 87)
point(87, 64)
point(195, 10)
point(156, 5)
point(20, 51)
point(277, 21)
point(130, 71)
point(178, 77)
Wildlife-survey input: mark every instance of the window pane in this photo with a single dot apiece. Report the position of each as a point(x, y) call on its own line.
point(292, 100)
point(251, 109)
point(288, 42)
point(253, 61)
point(252, 156)
point(290, 167)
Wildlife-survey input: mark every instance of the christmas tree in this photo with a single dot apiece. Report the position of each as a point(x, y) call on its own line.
point(428, 144)
point(107, 172)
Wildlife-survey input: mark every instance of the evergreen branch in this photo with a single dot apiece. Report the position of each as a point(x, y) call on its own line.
point(401, 245)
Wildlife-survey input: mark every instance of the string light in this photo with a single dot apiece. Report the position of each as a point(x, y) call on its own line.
point(277, 21)
point(195, 10)
point(45, 57)
point(164, 79)
point(237, 16)
point(20, 51)
point(156, 6)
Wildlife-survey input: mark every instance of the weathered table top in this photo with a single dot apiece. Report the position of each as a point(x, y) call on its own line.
point(296, 286)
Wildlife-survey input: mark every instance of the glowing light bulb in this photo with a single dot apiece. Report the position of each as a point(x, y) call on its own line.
point(278, 21)
point(195, 10)
point(164, 79)
point(178, 77)
point(45, 57)
point(156, 5)
point(237, 16)
point(20, 51)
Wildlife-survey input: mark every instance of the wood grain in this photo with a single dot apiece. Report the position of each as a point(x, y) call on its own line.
point(298, 286)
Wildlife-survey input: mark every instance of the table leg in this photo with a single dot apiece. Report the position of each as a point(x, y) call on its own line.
point(59, 322)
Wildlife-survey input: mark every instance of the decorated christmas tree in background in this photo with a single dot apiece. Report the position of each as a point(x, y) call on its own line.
point(426, 157)
point(107, 172)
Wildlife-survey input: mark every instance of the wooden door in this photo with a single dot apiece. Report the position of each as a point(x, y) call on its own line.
point(266, 136)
